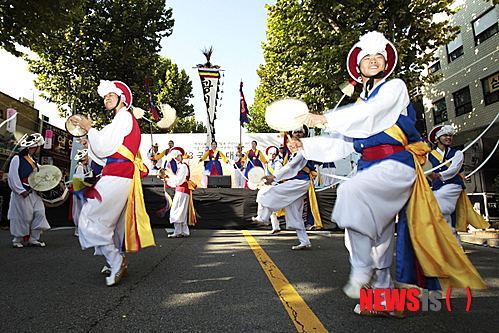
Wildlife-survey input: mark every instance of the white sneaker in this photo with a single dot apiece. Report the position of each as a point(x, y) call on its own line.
point(36, 243)
point(18, 245)
point(112, 279)
point(105, 270)
point(259, 222)
point(352, 289)
point(301, 247)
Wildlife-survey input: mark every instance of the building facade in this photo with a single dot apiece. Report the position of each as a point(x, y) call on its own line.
point(56, 152)
point(467, 96)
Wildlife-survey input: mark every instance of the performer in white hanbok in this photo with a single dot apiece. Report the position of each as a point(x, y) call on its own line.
point(26, 209)
point(155, 163)
point(292, 185)
point(182, 208)
point(113, 219)
point(367, 204)
point(273, 166)
point(448, 183)
point(82, 174)
point(171, 164)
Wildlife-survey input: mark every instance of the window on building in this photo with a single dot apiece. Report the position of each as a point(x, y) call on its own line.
point(440, 111)
point(490, 86)
point(435, 67)
point(462, 101)
point(455, 48)
point(485, 26)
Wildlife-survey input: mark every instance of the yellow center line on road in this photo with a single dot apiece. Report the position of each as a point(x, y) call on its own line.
point(299, 312)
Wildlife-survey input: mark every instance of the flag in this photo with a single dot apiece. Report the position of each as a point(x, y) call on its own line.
point(152, 107)
point(243, 107)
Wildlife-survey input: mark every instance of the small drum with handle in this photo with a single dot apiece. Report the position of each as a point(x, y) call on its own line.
point(255, 176)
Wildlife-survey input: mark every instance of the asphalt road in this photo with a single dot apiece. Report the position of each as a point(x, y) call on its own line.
point(210, 282)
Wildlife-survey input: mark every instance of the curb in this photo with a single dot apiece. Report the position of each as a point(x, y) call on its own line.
point(478, 240)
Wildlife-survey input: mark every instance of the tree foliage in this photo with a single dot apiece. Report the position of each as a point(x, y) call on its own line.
point(308, 42)
point(174, 87)
point(29, 21)
point(115, 40)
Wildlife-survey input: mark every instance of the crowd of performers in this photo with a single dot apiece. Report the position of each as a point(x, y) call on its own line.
point(389, 185)
point(242, 163)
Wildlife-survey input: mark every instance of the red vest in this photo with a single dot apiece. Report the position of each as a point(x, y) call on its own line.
point(125, 168)
point(184, 187)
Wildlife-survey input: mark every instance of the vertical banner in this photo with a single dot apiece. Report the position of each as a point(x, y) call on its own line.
point(210, 78)
point(11, 124)
point(48, 139)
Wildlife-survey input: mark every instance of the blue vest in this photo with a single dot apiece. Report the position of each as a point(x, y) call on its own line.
point(304, 174)
point(25, 169)
point(406, 124)
point(438, 183)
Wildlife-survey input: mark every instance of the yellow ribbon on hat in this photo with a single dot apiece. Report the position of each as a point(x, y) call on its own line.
point(138, 232)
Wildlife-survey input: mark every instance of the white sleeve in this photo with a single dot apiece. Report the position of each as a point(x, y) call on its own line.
point(179, 178)
point(291, 168)
point(362, 120)
point(454, 167)
point(330, 147)
point(13, 179)
point(106, 142)
point(277, 166)
point(80, 172)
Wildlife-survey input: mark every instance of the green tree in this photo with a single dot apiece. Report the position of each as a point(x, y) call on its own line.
point(115, 40)
point(28, 22)
point(308, 42)
point(188, 125)
point(174, 87)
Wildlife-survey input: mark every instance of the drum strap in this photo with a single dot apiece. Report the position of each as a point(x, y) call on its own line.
point(30, 161)
point(138, 232)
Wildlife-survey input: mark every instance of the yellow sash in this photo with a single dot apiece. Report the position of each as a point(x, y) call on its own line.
point(138, 232)
point(312, 199)
point(192, 212)
point(79, 184)
point(436, 249)
point(439, 157)
point(465, 214)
